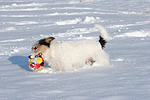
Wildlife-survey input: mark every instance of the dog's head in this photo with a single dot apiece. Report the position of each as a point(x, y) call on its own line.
point(41, 46)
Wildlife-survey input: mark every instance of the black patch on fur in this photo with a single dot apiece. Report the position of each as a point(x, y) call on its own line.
point(102, 41)
point(43, 42)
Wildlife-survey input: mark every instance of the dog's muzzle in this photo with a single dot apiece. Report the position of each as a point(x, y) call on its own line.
point(29, 56)
point(33, 56)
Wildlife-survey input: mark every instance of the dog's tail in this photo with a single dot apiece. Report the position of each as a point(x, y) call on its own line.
point(104, 36)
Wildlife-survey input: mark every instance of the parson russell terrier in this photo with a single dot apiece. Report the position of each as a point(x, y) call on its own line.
point(67, 55)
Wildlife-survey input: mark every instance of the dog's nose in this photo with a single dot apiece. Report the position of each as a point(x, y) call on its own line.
point(29, 56)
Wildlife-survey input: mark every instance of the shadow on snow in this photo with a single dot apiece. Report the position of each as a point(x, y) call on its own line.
point(21, 61)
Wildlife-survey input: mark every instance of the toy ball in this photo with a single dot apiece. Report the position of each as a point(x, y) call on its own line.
point(37, 63)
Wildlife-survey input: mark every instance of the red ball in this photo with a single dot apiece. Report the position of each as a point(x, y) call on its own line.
point(37, 63)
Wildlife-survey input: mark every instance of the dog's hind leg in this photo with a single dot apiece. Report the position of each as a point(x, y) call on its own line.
point(89, 61)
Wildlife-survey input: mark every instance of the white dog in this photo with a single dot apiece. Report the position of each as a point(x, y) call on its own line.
point(62, 56)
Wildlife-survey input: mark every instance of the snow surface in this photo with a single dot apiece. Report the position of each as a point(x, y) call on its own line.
point(23, 22)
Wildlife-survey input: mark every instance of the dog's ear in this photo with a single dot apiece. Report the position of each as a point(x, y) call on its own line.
point(46, 41)
point(49, 39)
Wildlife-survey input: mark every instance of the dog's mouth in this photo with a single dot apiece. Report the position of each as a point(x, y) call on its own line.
point(33, 56)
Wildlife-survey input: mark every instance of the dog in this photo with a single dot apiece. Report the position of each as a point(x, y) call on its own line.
point(68, 55)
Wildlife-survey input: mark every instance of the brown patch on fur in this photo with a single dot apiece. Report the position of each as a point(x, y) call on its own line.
point(49, 39)
point(89, 61)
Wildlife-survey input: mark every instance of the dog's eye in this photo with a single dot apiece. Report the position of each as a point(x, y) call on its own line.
point(35, 48)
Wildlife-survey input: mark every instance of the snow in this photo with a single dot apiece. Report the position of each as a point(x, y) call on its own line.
point(23, 22)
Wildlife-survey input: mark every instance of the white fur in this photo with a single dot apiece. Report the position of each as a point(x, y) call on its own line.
point(102, 31)
point(69, 55)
